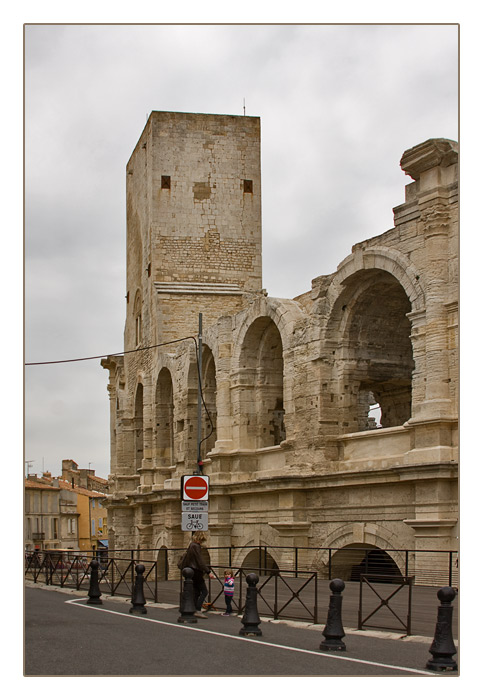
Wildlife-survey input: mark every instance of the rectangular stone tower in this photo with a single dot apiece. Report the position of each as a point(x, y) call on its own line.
point(193, 223)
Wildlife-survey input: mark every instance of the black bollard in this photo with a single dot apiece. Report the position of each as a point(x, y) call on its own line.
point(138, 600)
point(443, 648)
point(333, 630)
point(251, 619)
point(94, 590)
point(187, 599)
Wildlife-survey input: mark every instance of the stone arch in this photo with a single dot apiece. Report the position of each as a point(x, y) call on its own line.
point(285, 314)
point(358, 558)
point(260, 560)
point(164, 419)
point(162, 561)
point(368, 332)
point(209, 411)
point(265, 538)
point(371, 536)
point(137, 314)
point(138, 426)
point(264, 314)
point(380, 258)
point(261, 385)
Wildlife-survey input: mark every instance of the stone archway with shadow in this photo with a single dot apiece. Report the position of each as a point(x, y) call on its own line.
point(162, 564)
point(260, 560)
point(346, 557)
point(371, 302)
point(353, 560)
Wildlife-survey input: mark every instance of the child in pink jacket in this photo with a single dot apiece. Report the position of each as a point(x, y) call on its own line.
point(228, 589)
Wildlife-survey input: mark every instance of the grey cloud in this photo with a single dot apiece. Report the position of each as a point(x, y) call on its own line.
point(338, 106)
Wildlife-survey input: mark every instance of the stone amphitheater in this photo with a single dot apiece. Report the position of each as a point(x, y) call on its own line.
point(329, 420)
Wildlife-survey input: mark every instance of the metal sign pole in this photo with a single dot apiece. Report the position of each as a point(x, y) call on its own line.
point(200, 344)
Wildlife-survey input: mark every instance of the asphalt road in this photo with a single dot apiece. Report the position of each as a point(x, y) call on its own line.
point(66, 637)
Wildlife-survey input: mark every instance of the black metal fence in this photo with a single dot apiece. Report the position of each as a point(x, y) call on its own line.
point(427, 567)
point(71, 570)
point(282, 594)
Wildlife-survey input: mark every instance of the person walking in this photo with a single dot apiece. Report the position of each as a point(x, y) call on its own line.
point(228, 590)
point(194, 559)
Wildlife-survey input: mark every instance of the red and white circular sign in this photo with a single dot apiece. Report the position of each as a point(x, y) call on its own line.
point(195, 488)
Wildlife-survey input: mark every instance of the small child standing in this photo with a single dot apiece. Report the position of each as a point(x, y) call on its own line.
point(228, 589)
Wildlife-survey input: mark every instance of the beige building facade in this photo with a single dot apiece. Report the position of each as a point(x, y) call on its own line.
point(295, 455)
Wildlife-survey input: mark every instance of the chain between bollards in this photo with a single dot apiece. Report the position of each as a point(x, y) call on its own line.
point(187, 599)
point(442, 649)
point(251, 619)
point(94, 590)
point(333, 631)
point(138, 600)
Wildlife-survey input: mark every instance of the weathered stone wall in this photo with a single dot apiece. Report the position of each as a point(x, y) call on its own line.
point(296, 457)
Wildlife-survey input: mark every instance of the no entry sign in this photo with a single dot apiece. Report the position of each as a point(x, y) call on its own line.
point(195, 488)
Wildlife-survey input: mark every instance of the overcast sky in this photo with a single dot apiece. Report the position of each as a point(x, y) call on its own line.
point(338, 107)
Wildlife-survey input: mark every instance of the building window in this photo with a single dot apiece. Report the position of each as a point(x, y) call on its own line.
point(165, 182)
point(55, 533)
point(248, 186)
point(93, 526)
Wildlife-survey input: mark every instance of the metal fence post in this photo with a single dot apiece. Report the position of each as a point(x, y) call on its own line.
point(315, 601)
point(132, 570)
point(330, 564)
point(275, 605)
point(450, 568)
point(155, 581)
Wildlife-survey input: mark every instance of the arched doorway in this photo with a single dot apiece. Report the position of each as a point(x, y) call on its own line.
point(261, 561)
point(353, 560)
point(261, 372)
point(162, 564)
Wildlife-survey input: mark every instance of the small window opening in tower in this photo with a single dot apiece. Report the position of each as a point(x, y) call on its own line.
point(165, 182)
point(248, 186)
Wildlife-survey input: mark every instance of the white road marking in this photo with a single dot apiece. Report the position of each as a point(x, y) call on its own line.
point(81, 602)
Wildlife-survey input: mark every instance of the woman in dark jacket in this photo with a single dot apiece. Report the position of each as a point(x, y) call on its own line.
point(194, 559)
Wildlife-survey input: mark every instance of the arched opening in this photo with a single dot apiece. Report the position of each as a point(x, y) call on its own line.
point(260, 561)
point(208, 375)
point(353, 560)
point(374, 360)
point(261, 374)
point(162, 564)
point(137, 319)
point(208, 409)
point(164, 429)
point(138, 428)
